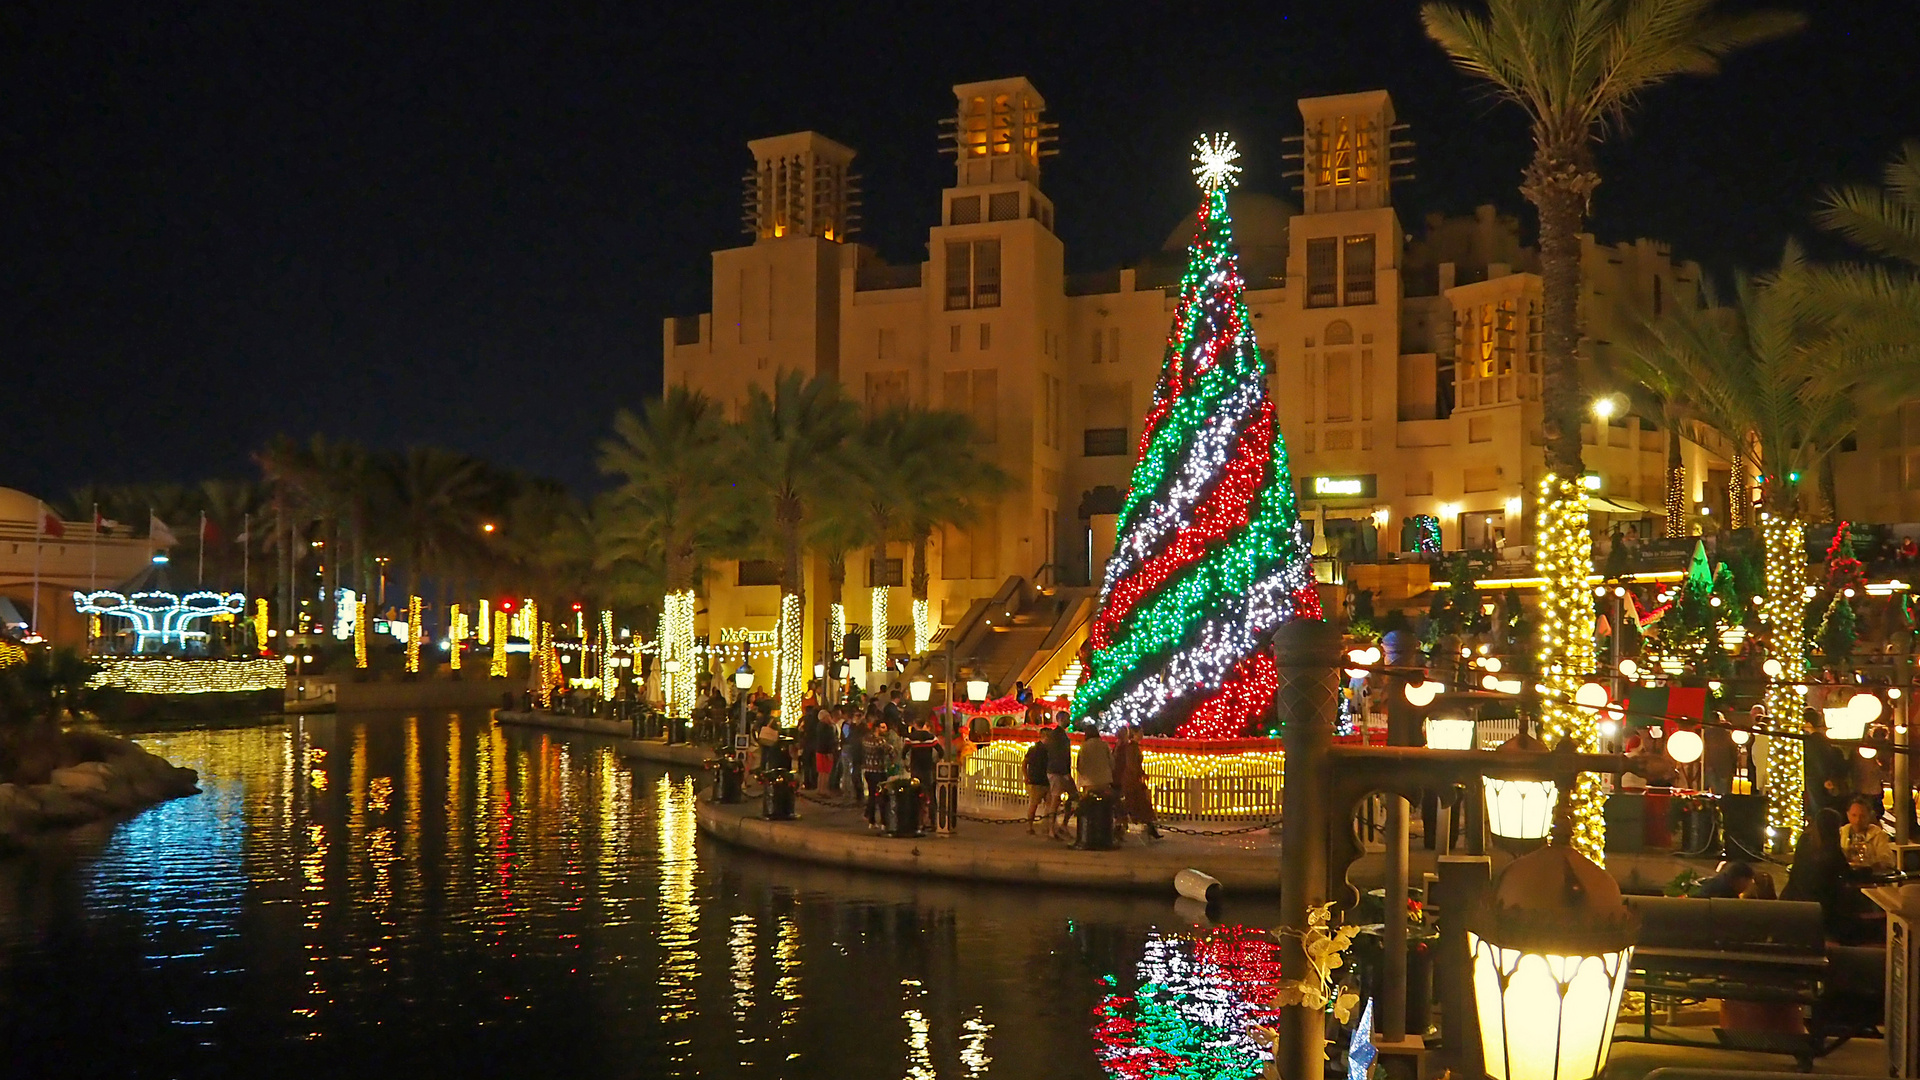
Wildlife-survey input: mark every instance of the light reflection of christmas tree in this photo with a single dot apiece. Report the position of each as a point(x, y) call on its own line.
point(1193, 1015)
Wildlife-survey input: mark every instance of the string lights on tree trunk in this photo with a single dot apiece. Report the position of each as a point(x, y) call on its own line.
point(1564, 559)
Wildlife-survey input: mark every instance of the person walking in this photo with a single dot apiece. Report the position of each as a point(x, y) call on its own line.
point(877, 760)
point(922, 751)
point(803, 749)
point(1060, 791)
point(1130, 776)
point(1038, 788)
point(1093, 770)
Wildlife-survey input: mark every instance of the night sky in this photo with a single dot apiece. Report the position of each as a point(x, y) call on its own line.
point(462, 224)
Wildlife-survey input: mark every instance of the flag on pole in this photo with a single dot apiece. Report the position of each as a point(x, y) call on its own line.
point(158, 532)
point(209, 530)
point(50, 523)
point(101, 523)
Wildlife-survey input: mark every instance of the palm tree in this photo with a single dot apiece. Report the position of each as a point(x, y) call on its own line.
point(1786, 376)
point(440, 502)
point(674, 502)
point(935, 479)
point(1668, 396)
point(1883, 220)
point(1574, 66)
point(790, 457)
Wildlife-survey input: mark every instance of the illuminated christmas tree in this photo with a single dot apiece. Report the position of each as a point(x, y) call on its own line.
point(1208, 558)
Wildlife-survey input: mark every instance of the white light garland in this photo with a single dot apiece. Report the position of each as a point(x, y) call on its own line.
point(880, 616)
point(922, 627)
point(169, 676)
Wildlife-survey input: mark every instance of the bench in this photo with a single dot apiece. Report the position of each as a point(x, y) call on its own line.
point(1759, 952)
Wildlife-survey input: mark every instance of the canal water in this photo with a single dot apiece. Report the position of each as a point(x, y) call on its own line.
point(429, 895)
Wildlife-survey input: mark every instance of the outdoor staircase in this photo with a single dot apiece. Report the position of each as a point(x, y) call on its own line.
point(1068, 682)
point(1020, 634)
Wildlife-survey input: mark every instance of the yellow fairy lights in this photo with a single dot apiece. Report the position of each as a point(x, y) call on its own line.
point(413, 634)
point(838, 617)
point(545, 663)
point(791, 678)
point(880, 615)
point(260, 623)
point(676, 643)
point(1784, 543)
point(922, 627)
point(1677, 501)
point(11, 654)
point(360, 633)
point(1244, 783)
point(456, 633)
point(608, 683)
point(484, 626)
point(168, 676)
point(1564, 558)
point(498, 669)
point(1737, 492)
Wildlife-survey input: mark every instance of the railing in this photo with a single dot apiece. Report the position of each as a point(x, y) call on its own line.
point(1236, 781)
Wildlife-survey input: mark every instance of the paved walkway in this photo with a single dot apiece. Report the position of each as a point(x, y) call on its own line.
point(834, 833)
point(831, 832)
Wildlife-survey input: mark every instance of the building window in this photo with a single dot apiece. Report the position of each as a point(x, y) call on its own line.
point(1339, 386)
point(964, 210)
point(972, 552)
point(1049, 411)
point(986, 273)
point(758, 572)
point(883, 572)
point(959, 276)
point(686, 329)
point(1358, 280)
point(975, 393)
point(986, 336)
point(1323, 270)
point(953, 338)
point(1104, 442)
point(1659, 301)
point(1003, 206)
point(1099, 345)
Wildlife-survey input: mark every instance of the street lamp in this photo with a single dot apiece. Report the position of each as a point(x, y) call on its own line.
point(1519, 809)
point(1550, 957)
point(920, 689)
point(1449, 733)
point(976, 689)
point(743, 679)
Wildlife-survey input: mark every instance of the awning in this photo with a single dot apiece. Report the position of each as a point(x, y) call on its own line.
point(10, 615)
point(1600, 504)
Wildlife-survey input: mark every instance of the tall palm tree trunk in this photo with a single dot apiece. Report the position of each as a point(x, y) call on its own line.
point(789, 678)
point(836, 589)
point(1783, 541)
point(922, 608)
point(1676, 482)
point(1558, 182)
point(676, 643)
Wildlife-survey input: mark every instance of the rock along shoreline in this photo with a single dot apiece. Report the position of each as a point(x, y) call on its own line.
point(127, 778)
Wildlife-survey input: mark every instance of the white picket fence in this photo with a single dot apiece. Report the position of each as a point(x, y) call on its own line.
point(1233, 787)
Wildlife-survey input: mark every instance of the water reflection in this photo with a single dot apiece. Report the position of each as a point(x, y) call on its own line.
point(388, 895)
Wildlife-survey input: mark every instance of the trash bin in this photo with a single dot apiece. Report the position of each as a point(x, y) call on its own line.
point(777, 795)
point(1094, 819)
point(729, 773)
point(901, 801)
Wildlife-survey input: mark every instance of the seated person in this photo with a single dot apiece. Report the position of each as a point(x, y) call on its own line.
point(1867, 845)
point(1733, 880)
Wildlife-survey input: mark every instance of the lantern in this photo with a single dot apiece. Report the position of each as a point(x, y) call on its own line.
point(920, 689)
point(1519, 809)
point(976, 690)
point(1550, 956)
point(1449, 733)
point(1685, 746)
point(743, 675)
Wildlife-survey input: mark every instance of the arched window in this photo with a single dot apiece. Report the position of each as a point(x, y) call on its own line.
point(1339, 332)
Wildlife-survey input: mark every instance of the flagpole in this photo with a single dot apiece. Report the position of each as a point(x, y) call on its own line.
point(93, 556)
point(246, 550)
point(200, 572)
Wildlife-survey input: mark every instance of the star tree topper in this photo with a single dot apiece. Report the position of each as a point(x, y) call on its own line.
point(1360, 1049)
point(1213, 162)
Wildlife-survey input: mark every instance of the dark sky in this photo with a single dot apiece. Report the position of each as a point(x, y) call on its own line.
point(463, 223)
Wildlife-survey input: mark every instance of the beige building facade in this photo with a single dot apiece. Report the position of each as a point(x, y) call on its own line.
point(1406, 375)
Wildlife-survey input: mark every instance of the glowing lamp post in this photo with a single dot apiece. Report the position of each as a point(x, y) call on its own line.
point(976, 690)
point(1550, 955)
point(1520, 810)
point(743, 681)
point(920, 690)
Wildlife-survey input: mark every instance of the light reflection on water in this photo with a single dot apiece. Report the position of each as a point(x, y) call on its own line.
point(391, 895)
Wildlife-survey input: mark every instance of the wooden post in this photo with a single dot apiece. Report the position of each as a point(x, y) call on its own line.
point(1307, 653)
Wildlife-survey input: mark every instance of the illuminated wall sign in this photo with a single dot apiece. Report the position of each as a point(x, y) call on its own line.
point(1343, 487)
point(161, 619)
point(734, 635)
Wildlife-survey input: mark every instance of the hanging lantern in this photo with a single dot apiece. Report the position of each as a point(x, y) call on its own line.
point(1520, 809)
point(1421, 694)
point(1550, 956)
point(1686, 746)
point(1449, 733)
